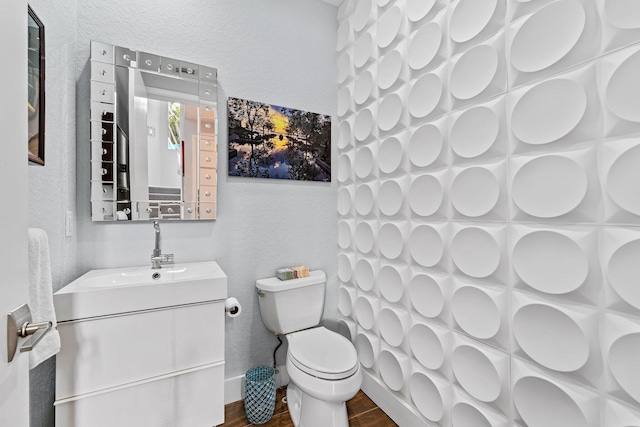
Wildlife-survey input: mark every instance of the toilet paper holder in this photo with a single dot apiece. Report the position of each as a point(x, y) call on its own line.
point(232, 307)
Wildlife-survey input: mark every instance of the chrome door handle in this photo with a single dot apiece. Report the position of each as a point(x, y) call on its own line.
point(19, 325)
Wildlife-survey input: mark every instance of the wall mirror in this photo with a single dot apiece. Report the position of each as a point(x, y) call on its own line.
point(154, 123)
point(35, 93)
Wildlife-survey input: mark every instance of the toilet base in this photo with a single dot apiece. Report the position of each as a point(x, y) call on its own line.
point(307, 411)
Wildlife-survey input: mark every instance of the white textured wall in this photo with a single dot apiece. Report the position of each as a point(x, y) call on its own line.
point(489, 190)
point(280, 51)
point(52, 188)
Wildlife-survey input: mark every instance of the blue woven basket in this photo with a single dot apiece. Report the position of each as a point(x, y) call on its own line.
point(260, 394)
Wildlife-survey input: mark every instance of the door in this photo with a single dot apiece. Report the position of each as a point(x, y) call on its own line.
point(14, 376)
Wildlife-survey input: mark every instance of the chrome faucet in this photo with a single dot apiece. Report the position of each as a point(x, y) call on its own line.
point(157, 257)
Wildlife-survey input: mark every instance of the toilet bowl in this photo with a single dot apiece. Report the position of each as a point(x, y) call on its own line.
point(322, 365)
point(325, 373)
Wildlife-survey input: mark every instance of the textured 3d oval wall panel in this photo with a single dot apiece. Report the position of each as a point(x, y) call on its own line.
point(553, 38)
point(345, 134)
point(489, 232)
point(391, 26)
point(479, 133)
point(365, 162)
point(620, 249)
point(365, 236)
point(430, 345)
point(468, 412)
point(418, 10)
point(620, 88)
point(473, 21)
point(427, 195)
point(427, 245)
point(620, 23)
point(364, 50)
point(430, 395)
point(366, 271)
point(621, 347)
point(482, 371)
point(558, 112)
point(395, 369)
point(427, 145)
point(368, 348)
point(478, 252)
point(556, 186)
point(393, 281)
point(428, 45)
point(427, 95)
point(479, 73)
point(621, 179)
point(391, 154)
point(559, 262)
point(480, 192)
point(543, 401)
point(480, 312)
point(429, 295)
point(391, 70)
point(346, 232)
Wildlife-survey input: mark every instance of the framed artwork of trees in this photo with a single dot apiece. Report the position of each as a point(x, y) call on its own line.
point(269, 141)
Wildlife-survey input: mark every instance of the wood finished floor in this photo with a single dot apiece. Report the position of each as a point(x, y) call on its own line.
point(362, 413)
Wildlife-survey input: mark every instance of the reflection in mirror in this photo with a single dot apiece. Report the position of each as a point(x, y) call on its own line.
point(153, 137)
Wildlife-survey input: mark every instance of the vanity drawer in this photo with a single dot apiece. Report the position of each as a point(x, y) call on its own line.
point(108, 351)
point(207, 143)
point(102, 211)
point(101, 192)
point(102, 151)
point(192, 398)
point(208, 193)
point(102, 52)
point(102, 72)
point(208, 159)
point(102, 92)
point(208, 176)
point(101, 131)
point(207, 210)
point(101, 112)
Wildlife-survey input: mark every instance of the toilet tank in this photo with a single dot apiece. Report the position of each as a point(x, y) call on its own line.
point(292, 305)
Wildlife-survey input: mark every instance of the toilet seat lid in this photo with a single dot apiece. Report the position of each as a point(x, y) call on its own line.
point(323, 353)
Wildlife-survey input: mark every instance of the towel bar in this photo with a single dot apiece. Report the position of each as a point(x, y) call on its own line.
point(19, 325)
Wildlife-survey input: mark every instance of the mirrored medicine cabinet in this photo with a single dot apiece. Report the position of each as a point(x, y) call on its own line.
point(154, 124)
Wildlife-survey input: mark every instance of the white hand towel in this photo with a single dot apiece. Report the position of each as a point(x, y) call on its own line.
point(41, 296)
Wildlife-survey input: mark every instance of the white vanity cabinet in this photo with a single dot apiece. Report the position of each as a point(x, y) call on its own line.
point(153, 366)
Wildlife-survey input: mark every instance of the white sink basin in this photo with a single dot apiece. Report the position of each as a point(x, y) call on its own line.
point(122, 290)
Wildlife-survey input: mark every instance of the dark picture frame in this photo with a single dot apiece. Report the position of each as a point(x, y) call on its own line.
point(36, 78)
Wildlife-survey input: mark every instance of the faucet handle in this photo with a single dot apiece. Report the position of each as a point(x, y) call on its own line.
point(166, 259)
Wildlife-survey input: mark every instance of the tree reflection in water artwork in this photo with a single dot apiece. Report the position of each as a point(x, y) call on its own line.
point(269, 141)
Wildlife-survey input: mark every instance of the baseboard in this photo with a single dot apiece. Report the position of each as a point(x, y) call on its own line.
point(233, 389)
point(234, 386)
point(397, 409)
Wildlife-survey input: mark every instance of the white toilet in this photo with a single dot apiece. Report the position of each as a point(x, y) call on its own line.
point(322, 365)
